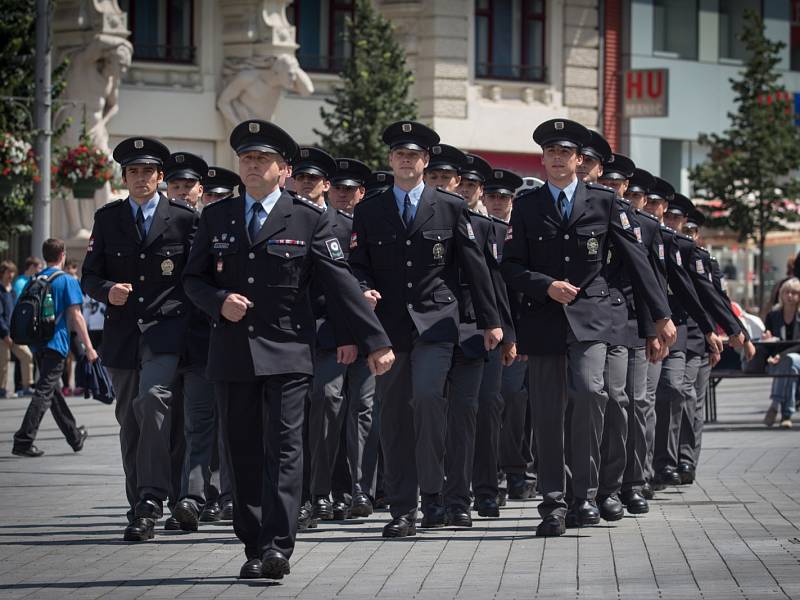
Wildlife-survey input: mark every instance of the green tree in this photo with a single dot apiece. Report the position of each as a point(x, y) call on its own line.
point(750, 165)
point(374, 91)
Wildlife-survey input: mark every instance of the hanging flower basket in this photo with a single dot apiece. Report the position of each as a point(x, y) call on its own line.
point(83, 169)
point(17, 163)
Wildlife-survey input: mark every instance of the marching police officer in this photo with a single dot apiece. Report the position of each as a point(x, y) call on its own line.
point(133, 264)
point(249, 271)
point(444, 167)
point(311, 171)
point(378, 182)
point(407, 246)
point(473, 173)
point(219, 183)
point(555, 253)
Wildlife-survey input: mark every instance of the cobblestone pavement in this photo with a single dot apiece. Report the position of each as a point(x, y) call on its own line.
point(734, 534)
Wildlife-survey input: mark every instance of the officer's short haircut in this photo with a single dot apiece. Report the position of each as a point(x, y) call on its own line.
point(52, 249)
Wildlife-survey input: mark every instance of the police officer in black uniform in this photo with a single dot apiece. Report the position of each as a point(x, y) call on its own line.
point(408, 244)
point(311, 171)
point(378, 182)
point(249, 270)
point(133, 264)
point(219, 183)
point(556, 255)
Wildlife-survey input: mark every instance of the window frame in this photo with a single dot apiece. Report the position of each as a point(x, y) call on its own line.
point(329, 60)
point(169, 56)
point(672, 53)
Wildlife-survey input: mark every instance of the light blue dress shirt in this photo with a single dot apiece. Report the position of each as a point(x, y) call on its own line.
point(148, 211)
point(268, 203)
point(414, 195)
point(569, 191)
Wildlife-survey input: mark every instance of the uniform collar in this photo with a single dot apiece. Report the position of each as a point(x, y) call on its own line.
point(268, 202)
point(148, 208)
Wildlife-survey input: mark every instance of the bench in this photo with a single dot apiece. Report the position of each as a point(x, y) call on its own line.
point(718, 375)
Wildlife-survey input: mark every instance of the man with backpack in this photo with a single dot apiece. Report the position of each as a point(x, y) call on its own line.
point(48, 308)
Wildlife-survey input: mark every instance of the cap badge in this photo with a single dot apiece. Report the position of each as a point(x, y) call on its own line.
point(344, 164)
point(380, 177)
point(559, 125)
point(179, 158)
point(436, 149)
point(304, 153)
point(498, 174)
point(611, 159)
point(212, 173)
point(138, 144)
point(406, 127)
point(470, 159)
point(254, 127)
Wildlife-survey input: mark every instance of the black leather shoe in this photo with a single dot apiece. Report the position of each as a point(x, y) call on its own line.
point(84, 433)
point(666, 478)
point(433, 515)
point(31, 451)
point(251, 569)
point(274, 564)
point(305, 520)
point(227, 511)
point(686, 473)
point(582, 513)
point(187, 514)
point(323, 509)
point(520, 489)
point(140, 530)
point(487, 507)
point(172, 524)
point(458, 516)
point(211, 512)
point(551, 526)
point(611, 508)
point(341, 510)
point(634, 502)
point(149, 508)
point(402, 526)
point(647, 491)
point(360, 505)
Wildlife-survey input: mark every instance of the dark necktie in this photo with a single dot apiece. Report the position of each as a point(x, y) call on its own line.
point(140, 224)
point(408, 215)
point(255, 225)
point(562, 205)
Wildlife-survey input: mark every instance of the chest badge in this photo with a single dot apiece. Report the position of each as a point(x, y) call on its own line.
point(438, 252)
point(167, 267)
point(220, 265)
point(592, 246)
point(638, 232)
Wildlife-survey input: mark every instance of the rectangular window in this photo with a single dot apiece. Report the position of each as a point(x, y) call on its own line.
point(794, 40)
point(731, 23)
point(161, 30)
point(675, 27)
point(321, 32)
point(509, 39)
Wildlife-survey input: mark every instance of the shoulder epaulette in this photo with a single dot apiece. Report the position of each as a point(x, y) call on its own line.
point(374, 193)
point(181, 204)
point(668, 229)
point(499, 220)
point(703, 250)
point(475, 213)
point(624, 201)
point(600, 186)
point(524, 193)
point(302, 200)
point(644, 213)
point(344, 213)
point(222, 202)
point(684, 237)
point(110, 204)
point(453, 194)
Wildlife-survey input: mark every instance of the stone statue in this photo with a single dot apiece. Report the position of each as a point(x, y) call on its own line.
point(255, 86)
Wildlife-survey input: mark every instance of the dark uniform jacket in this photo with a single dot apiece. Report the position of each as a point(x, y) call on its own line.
point(295, 244)
point(157, 309)
point(470, 337)
point(541, 249)
point(416, 271)
point(716, 304)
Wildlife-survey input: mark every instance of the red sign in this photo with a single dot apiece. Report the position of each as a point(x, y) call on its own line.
point(645, 93)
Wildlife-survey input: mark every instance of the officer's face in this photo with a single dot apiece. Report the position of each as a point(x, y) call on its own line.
point(188, 190)
point(637, 199)
point(618, 185)
point(498, 205)
point(471, 190)
point(675, 221)
point(345, 197)
point(656, 207)
point(691, 230)
point(211, 197)
point(442, 178)
point(560, 162)
point(261, 171)
point(311, 186)
point(142, 181)
point(590, 169)
point(407, 164)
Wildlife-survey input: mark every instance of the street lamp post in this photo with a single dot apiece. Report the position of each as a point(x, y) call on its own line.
point(43, 126)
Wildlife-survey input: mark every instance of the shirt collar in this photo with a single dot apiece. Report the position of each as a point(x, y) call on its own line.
point(569, 190)
point(268, 202)
point(414, 194)
point(148, 208)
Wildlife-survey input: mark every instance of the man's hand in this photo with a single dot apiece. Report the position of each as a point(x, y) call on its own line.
point(666, 331)
point(653, 350)
point(380, 361)
point(372, 297)
point(118, 295)
point(509, 352)
point(749, 350)
point(91, 355)
point(774, 359)
point(235, 307)
point(346, 355)
point(562, 292)
point(736, 341)
point(713, 359)
point(492, 337)
point(714, 343)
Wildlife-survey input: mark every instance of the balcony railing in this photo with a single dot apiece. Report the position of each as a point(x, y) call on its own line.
point(510, 71)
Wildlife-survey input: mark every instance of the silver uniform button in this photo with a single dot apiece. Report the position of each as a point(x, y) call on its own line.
point(409, 284)
point(250, 280)
point(250, 328)
point(141, 299)
point(141, 277)
point(566, 236)
point(140, 321)
point(408, 242)
point(119, 253)
point(408, 263)
point(142, 256)
point(297, 327)
point(566, 259)
point(251, 256)
point(410, 306)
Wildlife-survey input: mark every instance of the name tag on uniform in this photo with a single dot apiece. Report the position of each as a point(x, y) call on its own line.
point(698, 265)
point(638, 232)
point(470, 233)
point(661, 251)
point(678, 258)
point(623, 218)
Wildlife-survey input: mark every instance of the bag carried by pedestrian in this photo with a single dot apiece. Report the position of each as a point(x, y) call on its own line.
point(33, 321)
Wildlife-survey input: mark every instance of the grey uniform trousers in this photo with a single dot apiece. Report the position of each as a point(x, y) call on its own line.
point(615, 423)
point(342, 396)
point(696, 379)
point(463, 385)
point(670, 399)
point(653, 375)
point(554, 378)
point(640, 405)
point(516, 434)
point(413, 423)
point(487, 431)
point(143, 412)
